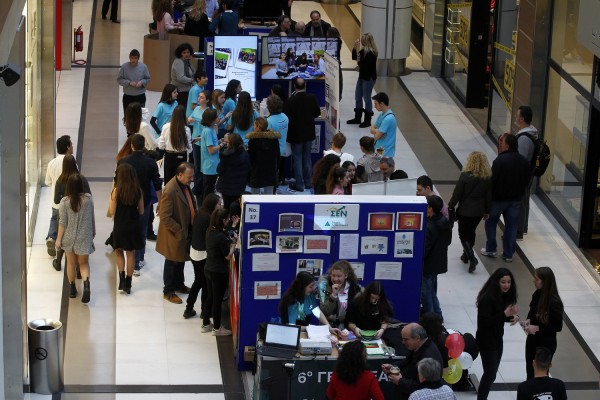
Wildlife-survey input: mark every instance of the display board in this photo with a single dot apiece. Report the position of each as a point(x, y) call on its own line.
point(280, 236)
point(293, 48)
point(235, 57)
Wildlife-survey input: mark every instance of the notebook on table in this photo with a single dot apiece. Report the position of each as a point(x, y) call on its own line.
point(280, 341)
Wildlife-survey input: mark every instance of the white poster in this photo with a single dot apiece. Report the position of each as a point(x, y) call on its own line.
point(373, 245)
point(252, 214)
point(235, 57)
point(391, 271)
point(348, 246)
point(403, 245)
point(332, 101)
point(359, 270)
point(265, 262)
point(336, 217)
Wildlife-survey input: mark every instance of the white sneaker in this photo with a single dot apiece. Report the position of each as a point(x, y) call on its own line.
point(136, 272)
point(486, 253)
point(142, 264)
point(206, 328)
point(221, 332)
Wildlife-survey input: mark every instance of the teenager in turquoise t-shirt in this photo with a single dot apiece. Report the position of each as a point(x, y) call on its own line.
point(234, 87)
point(203, 102)
point(242, 119)
point(209, 150)
point(164, 110)
point(201, 81)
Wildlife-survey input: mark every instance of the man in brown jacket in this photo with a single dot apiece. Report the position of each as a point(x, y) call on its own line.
point(176, 212)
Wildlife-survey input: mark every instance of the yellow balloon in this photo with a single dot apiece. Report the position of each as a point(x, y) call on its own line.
point(454, 371)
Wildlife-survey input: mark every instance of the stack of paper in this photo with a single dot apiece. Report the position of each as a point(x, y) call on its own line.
point(318, 332)
point(374, 348)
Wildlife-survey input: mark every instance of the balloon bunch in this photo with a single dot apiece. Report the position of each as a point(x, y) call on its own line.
point(459, 359)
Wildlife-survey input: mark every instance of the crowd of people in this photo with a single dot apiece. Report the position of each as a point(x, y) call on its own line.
point(214, 147)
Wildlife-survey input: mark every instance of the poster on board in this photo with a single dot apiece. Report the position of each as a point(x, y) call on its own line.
point(235, 57)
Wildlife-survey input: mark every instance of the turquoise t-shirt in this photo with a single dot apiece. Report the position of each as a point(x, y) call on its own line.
point(197, 117)
point(279, 123)
point(163, 113)
point(386, 124)
point(243, 133)
point(229, 105)
point(209, 162)
point(192, 98)
point(303, 312)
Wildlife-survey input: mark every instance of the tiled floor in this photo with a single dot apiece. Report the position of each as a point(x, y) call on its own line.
point(140, 343)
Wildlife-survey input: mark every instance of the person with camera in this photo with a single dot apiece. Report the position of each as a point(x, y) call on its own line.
point(219, 250)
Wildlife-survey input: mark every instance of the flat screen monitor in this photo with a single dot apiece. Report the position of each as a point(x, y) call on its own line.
point(236, 58)
point(303, 57)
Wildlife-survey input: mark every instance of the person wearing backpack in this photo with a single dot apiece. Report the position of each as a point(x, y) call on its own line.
point(527, 139)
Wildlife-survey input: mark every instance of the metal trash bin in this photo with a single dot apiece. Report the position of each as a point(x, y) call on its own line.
point(46, 356)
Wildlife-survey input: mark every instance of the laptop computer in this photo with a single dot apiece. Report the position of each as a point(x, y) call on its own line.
point(281, 341)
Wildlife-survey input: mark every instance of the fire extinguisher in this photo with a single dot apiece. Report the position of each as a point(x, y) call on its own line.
point(78, 39)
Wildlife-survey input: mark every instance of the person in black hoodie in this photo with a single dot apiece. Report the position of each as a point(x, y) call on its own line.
point(198, 252)
point(438, 236)
point(233, 169)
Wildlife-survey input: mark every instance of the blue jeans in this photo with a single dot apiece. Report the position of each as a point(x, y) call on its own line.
point(143, 226)
point(173, 278)
point(53, 229)
point(302, 164)
point(510, 211)
point(362, 93)
point(429, 299)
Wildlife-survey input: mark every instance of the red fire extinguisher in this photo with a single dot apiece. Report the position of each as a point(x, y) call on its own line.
point(78, 39)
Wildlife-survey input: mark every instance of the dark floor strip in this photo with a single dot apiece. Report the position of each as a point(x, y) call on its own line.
point(86, 83)
point(143, 389)
point(431, 125)
point(353, 15)
point(512, 387)
point(99, 179)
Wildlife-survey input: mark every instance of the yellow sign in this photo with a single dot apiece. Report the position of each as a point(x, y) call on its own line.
point(460, 5)
point(463, 32)
point(505, 49)
point(509, 76)
point(507, 103)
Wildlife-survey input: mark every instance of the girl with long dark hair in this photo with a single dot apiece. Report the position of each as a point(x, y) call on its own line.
point(165, 108)
point(233, 88)
point(321, 170)
point(126, 206)
point(219, 250)
point(242, 119)
point(299, 300)
point(76, 231)
point(132, 120)
point(351, 171)
point(336, 180)
point(218, 103)
point(352, 378)
point(496, 304)
point(545, 316)
point(176, 140)
point(69, 167)
point(369, 311)
point(203, 104)
point(198, 252)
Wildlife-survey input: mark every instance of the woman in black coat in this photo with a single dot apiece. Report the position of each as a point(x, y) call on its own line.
point(233, 169)
point(473, 194)
point(496, 304)
point(545, 316)
point(197, 22)
point(263, 148)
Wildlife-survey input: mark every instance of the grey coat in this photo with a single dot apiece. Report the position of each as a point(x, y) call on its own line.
point(80, 227)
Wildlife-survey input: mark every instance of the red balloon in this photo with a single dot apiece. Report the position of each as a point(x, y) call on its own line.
point(455, 345)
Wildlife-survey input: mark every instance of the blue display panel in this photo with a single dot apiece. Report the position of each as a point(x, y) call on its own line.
point(382, 237)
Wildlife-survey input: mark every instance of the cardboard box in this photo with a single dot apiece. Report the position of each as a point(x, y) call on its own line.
point(249, 352)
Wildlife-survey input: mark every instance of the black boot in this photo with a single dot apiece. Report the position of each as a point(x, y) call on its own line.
point(72, 290)
point(464, 257)
point(56, 263)
point(468, 248)
point(122, 280)
point(367, 122)
point(128, 285)
point(85, 297)
point(357, 116)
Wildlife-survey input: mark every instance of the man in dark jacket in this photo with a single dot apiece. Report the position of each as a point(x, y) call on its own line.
point(414, 338)
point(510, 177)
point(316, 27)
point(283, 26)
point(438, 236)
point(147, 174)
point(301, 108)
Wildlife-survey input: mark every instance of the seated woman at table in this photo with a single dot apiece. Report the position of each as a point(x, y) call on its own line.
point(298, 302)
point(370, 311)
point(352, 378)
point(336, 290)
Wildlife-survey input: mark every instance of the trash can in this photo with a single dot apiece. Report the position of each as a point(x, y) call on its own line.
point(46, 355)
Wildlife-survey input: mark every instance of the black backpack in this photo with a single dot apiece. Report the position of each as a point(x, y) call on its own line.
point(541, 155)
